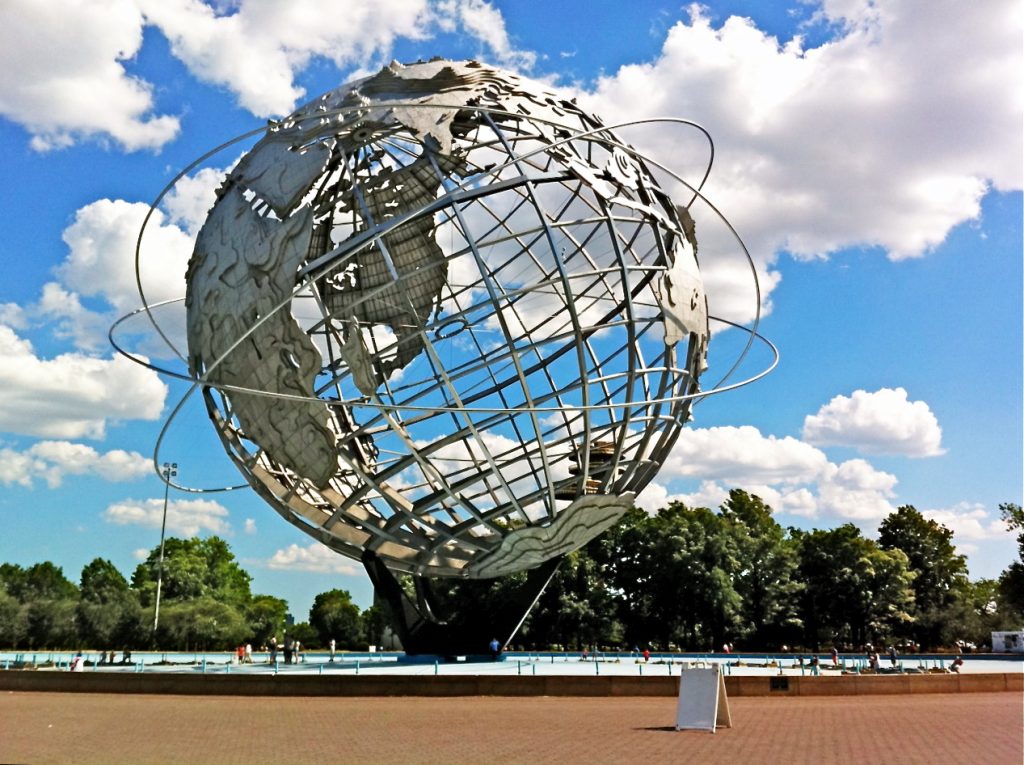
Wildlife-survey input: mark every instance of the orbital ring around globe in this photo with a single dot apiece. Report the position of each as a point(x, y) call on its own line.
point(146, 306)
point(718, 388)
point(458, 335)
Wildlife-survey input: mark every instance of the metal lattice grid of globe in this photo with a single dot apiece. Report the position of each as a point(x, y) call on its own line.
point(445, 316)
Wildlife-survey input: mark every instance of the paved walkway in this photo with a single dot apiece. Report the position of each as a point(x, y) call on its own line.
point(39, 728)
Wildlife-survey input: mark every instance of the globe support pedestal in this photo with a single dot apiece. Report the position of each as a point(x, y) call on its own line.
point(423, 631)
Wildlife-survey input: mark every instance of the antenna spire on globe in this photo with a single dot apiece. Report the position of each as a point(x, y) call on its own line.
point(447, 323)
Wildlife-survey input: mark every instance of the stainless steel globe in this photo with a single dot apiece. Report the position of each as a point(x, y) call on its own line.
point(446, 316)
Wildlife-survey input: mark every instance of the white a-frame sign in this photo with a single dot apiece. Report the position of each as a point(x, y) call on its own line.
point(703, 703)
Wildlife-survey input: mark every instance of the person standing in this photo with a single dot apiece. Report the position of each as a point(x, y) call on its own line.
point(892, 655)
point(495, 647)
point(332, 645)
point(835, 656)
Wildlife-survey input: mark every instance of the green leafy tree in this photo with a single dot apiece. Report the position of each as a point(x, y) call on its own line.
point(194, 568)
point(940, 574)
point(334, 615)
point(108, 613)
point(626, 554)
point(12, 580)
point(765, 577)
point(13, 620)
point(695, 577)
point(206, 600)
point(49, 599)
point(977, 612)
point(377, 620)
point(201, 624)
point(51, 623)
point(854, 591)
point(42, 581)
point(1011, 582)
point(266, 617)
point(674, 579)
point(101, 582)
point(13, 615)
point(576, 609)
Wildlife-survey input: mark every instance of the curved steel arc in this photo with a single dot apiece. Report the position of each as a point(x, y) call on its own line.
point(152, 208)
point(490, 171)
point(203, 381)
point(493, 410)
point(312, 270)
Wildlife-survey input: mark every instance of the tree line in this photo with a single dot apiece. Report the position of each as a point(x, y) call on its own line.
point(206, 604)
point(694, 579)
point(683, 578)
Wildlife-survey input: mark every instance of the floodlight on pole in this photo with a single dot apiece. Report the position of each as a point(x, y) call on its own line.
point(169, 471)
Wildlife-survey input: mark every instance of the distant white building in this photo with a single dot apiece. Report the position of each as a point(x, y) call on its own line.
point(1008, 642)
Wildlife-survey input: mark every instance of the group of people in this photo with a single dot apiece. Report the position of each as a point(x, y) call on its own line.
point(244, 654)
point(77, 663)
point(292, 650)
point(874, 661)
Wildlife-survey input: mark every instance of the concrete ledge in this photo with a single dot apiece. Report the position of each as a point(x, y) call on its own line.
point(491, 685)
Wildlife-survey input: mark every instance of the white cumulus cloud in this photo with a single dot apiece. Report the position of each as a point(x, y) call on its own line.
point(883, 422)
point(743, 455)
point(184, 516)
point(51, 461)
point(67, 63)
point(888, 134)
point(256, 49)
point(101, 257)
point(486, 23)
point(792, 476)
point(969, 520)
point(96, 284)
point(71, 395)
point(857, 491)
point(65, 78)
point(314, 557)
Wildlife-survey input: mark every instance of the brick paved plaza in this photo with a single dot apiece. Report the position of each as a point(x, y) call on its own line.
point(932, 729)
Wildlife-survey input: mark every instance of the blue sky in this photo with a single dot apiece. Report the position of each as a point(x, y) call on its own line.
point(869, 153)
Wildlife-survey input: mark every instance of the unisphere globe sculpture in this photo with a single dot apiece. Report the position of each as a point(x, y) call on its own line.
point(447, 318)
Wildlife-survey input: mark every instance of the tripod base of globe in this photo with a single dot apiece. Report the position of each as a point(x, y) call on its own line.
point(425, 631)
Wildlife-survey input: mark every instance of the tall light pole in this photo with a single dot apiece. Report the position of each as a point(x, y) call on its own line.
point(169, 470)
